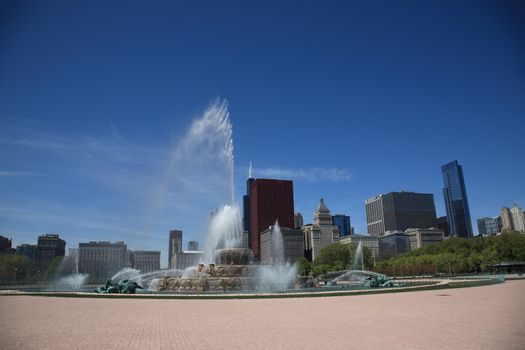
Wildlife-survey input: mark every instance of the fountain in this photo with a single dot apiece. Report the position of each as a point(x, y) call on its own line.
point(358, 258)
point(67, 276)
point(226, 266)
point(233, 269)
point(360, 277)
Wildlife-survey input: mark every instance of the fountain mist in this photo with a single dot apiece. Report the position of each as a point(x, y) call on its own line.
point(67, 275)
point(199, 174)
point(225, 231)
point(281, 275)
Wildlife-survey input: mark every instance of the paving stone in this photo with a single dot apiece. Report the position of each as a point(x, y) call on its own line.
point(488, 317)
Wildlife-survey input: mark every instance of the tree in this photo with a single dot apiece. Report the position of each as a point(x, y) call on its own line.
point(332, 254)
point(320, 269)
point(337, 256)
point(13, 266)
point(368, 260)
point(303, 266)
point(53, 268)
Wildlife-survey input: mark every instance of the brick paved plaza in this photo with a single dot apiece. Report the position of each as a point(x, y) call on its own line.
point(489, 317)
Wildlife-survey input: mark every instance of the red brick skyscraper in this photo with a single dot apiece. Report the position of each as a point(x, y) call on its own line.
point(270, 200)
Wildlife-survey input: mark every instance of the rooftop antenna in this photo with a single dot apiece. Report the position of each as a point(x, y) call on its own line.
point(250, 171)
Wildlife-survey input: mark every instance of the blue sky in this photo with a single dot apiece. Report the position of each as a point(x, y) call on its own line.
point(348, 99)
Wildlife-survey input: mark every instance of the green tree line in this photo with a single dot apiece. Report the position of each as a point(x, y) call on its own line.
point(458, 255)
point(14, 267)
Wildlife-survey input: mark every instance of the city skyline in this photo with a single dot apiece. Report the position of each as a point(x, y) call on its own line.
point(347, 101)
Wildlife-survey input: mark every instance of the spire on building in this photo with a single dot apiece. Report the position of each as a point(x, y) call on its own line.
point(322, 207)
point(250, 171)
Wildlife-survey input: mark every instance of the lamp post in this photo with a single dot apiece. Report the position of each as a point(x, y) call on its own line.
point(14, 276)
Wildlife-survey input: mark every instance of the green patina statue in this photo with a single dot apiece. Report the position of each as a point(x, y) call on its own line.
point(381, 281)
point(122, 287)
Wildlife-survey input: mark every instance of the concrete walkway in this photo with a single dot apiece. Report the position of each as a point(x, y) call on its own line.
point(489, 317)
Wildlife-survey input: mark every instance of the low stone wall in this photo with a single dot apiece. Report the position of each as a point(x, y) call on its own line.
point(424, 284)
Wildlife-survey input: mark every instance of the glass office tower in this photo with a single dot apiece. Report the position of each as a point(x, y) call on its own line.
point(456, 202)
point(343, 222)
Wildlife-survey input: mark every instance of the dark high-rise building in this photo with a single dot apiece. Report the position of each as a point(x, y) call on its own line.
point(343, 222)
point(455, 193)
point(270, 200)
point(49, 247)
point(397, 211)
point(442, 224)
point(175, 246)
point(246, 211)
point(5, 244)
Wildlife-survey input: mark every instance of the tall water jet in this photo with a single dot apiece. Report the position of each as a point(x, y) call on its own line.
point(225, 231)
point(281, 274)
point(277, 245)
point(201, 160)
point(210, 138)
point(67, 275)
point(199, 173)
point(358, 263)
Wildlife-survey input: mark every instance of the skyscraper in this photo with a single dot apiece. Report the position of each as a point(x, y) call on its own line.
point(5, 244)
point(393, 243)
point(343, 222)
point(101, 260)
point(49, 246)
point(489, 226)
point(28, 250)
point(193, 245)
point(321, 233)
point(506, 220)
point(178, 258)
point(518, 219)
point(397, 211)
point(246, 212)
point(270, 200)
point(175, 246)
point(145, 260)
point(298, 220)
point(455, 193)
point(442, 223)
point(420, 237)
point(292, 245)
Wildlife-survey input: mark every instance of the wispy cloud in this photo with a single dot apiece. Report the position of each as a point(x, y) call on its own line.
point(105, 185)
point(19, 173)
point(313, 174)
